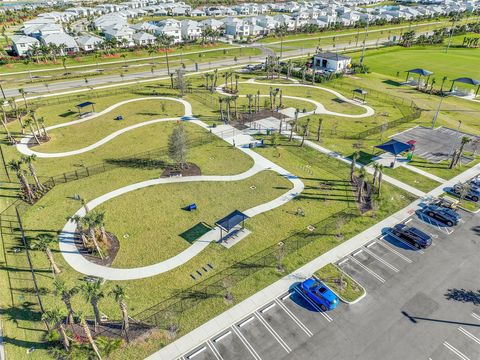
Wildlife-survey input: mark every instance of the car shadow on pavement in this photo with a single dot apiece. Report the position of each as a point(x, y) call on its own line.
point(298, 298)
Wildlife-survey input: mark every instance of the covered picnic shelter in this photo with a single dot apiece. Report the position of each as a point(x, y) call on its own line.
point(230, 222)
point(359, 94)
point(394, 147)
point(420, 72)
point(468, 81)
point(83, 105)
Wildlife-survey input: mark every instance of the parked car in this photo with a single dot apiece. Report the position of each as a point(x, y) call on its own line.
point(473, 193)
point(444, 215)
point(475, 181)
point(412, 235)
point(320, 294)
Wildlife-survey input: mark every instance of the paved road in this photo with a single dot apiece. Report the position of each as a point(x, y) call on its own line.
point(419, 305)
point(143, 75)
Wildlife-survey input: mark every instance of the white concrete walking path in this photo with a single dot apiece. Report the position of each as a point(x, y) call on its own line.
point(81, 264)
point(320, 108)
point(216, 325)
point(23, 147)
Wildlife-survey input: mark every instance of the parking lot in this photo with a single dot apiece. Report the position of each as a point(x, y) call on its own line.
point(435, 145)
point(418, 306)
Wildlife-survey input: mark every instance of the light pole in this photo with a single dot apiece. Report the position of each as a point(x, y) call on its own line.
point(364, 42)
point(3, 93)
point(450, 37)
point(456, 138)
point(434, 121)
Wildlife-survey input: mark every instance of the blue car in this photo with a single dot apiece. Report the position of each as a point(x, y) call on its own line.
point(320, 294)
point(444, 215)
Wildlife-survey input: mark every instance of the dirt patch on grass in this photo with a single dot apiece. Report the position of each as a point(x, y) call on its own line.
point(189, 169)
point(109, 256)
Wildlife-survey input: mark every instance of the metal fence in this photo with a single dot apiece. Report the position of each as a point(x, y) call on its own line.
point(169, 311)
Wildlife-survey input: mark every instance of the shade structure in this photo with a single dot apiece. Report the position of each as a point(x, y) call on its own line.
point(394, 147)
point(419, 71)
point(231, 220)
point(468, 81)
point(87, 103)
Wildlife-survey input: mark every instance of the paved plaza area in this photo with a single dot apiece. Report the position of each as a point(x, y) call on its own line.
point(438, 144)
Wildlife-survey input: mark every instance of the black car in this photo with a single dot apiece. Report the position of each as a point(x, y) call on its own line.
point(447, 216)
point(412, 235)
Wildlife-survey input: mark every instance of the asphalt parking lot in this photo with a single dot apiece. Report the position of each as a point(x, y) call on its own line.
point(435, 145)
point(420, 304)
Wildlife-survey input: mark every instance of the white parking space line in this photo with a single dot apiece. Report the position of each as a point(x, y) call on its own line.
point(406, 222)
point(198, 352)
point(455, 351)
point(246, 343)
point(342, 262)
point(406, 243)
point(386, 263)
point(357, 252)
point(274, 333)
point(315, 306)
point(221, 337)
point(395, 252)
point(214, 350)
point(264, 310)
point(295, 319)
point(286, 296)
point(245, 322)
point(476, 316)
point(371, 272)
point(469, 335)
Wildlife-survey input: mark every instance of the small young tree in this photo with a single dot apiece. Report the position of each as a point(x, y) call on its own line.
point(119, 294)
point(55, 318)
point(42, 243)
point(93, 293)
point(177, 146)
point(66, 294)
point(88, 334)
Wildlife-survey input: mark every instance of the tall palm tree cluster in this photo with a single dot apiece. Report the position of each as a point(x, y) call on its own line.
point(211, 81)
point(458, 153)
point(361, 181)
point(46, 52)
point(26, 118)
point(63, 320)
point(91, 229)
point(231, 87)
point(209, 35)
point(28, 192)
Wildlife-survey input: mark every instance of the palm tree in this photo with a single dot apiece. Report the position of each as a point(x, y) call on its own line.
point(353, 164)
point(4, 123)
point(35, 120)
point(80, 226)
point(120, 296)
point(249, 97)
point(236, 82)
point(380, 177)
point(16, 166)
point(319, 129)
point(88, 333)
point(23, 93)
point(55, 317)
point(91, 220)
point(361, 183)
point(443, 83)
point(41, 121)
point(165, 40)
point(13, 105)
point(64, 63)
point(220, 104)
point(305, 132)
point(29, 160)
point(376, 167)
point(29, 123)
point(42, 243)
point(458, 154)
point(66, 295)
point(93, 293)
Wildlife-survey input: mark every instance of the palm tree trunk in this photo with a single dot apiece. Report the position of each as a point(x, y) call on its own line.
point(95, 242)
point(35, 177)
point(34, 135)
point(125, 324)
point(26, 186)
point(68, 304)
point(96, 313)
point(380, 175)
point(88, 334)
point(63, 334)
point(54, 266)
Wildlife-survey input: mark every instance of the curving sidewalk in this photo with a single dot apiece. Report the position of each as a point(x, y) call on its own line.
point(23, 147)
point(320, 108)
point(82, 265)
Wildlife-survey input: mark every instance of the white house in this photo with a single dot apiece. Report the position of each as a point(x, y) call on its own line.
point(143, 38)
point(171, 28)
point(21, 44)
point(198, 13)
point(88, 42)
point(122, 33)
point(213, 23)
point(191, 30)
point(331, 62)
point(66, 42)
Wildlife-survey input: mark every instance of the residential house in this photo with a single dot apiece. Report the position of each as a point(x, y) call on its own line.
point(21, 44)
point(143, 39)
point(171, 28)
point(331, 62)
point(191, 30)
point(122, 33)
point(88, 42)
point(65, 42)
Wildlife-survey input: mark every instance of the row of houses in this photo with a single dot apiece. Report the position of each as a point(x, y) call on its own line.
point(114, 21)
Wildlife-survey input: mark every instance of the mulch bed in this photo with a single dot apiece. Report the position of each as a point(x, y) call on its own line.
point(32, 143)
point(112, 251)
point(189, 169)
point(110, 329)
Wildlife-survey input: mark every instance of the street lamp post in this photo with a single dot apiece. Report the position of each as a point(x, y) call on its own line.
point(434, 121)
point(364, 42)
